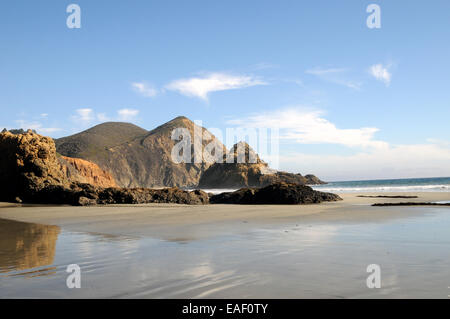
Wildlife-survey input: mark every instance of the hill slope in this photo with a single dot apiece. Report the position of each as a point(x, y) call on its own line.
point(94, 142)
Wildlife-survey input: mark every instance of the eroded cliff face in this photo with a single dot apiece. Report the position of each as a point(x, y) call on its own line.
point(83, 171)
point(28, 163)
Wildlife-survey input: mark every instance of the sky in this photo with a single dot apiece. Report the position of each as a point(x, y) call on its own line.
point(350, 102)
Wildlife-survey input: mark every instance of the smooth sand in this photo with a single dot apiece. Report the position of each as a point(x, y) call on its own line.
point(178, 222)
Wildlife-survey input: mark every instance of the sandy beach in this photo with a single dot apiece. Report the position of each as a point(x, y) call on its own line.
point(171, 221)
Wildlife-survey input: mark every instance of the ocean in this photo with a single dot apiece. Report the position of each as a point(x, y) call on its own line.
point(437, 184)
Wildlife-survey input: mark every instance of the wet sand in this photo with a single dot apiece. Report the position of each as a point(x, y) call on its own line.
point(227, 251)
point(171, 221)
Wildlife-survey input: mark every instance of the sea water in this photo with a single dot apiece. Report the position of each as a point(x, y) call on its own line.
point(439, 184)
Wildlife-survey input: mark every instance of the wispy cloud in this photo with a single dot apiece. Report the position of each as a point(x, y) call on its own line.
point(201, 87)
point(309, 126)
point(381, 73)
point(334, 75)
point(144, 89)
point(127, 114)
point(86, 116)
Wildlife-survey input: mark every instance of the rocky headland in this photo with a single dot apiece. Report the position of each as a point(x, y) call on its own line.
point(32, 172)
point(248, 171)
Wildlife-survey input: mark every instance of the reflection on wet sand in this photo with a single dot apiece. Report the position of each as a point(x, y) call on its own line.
point(26, 246)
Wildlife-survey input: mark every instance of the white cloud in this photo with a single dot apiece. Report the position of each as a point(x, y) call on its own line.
point(84, 115)
point(102, 117)
point(201, 87)
point(310, 127)
point(322, 72)
point(381, 73)
point(395, 161)
point(370, 158)
point(127, 114)
point(334, 75)
point(144, 89)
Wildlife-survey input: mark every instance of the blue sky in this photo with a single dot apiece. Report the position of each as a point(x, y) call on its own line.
point(351, 102)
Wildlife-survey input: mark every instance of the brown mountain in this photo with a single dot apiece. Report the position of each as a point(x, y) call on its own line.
point(248, 171)
point(138, 158)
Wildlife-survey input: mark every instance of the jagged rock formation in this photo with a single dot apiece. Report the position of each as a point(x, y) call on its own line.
point(16, 131)
point(140, 158)
point(83, 171)
point(244, 168)
point(30, 171)
point(278, 193)
point(27, 165)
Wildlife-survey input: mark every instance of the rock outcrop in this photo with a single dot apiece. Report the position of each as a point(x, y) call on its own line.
point(83, 171)
point(411, 204)
point(85, 194)
point(28, 164)
point(17, 131)
point(245, 169)
point(278, 193)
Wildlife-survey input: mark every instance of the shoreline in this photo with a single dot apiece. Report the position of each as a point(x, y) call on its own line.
point(174, 221)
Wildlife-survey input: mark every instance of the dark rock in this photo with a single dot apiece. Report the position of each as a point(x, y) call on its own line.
point(412, 204)
point(147, 195)
point(278, 193)
point(84, 201)
point(387, 196)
